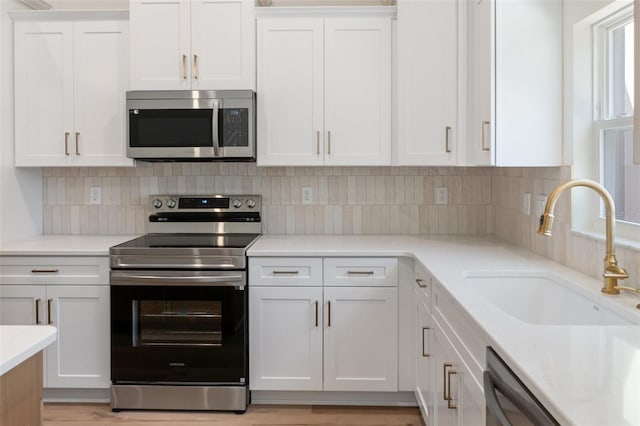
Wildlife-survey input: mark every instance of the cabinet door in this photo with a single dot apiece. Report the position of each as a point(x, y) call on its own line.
point(446, 381)
point(482, 127)
point(285, 338)
point(427, 50)
point(43, 93)
point(290, 86)
point(160, 44)
point(358, 91)
point(222, 44)
point(22, 305)
point(101, 78)
point(361, 339)
point(425, 361)
point(80, 356)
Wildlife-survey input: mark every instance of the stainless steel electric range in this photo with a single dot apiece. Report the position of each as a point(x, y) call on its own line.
point(179, 306)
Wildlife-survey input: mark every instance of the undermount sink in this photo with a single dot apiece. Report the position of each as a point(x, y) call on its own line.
point(544, 299)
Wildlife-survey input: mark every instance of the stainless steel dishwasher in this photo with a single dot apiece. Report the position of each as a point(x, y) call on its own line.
point(509, 402)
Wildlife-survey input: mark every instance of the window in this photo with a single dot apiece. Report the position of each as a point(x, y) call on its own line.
point(613, 113)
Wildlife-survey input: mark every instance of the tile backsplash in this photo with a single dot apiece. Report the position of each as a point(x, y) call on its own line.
point(346, 200)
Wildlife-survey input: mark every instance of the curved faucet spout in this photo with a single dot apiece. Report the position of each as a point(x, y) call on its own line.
point(612, 272)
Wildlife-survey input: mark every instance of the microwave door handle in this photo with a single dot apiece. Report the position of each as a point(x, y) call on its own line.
point(214, 129)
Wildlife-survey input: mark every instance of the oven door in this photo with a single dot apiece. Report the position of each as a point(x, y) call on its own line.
point(178, 327)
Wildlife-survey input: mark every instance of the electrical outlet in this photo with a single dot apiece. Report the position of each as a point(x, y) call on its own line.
point(541, 201)
point(442, 195)
point(95, 195)
point(307, 195)
point(526, 203)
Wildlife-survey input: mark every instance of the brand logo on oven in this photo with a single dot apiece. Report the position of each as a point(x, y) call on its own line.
point(177, 364)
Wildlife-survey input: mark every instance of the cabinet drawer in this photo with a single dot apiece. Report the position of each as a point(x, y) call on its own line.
point(369, 271)
point(279, 271)
point(30, 270)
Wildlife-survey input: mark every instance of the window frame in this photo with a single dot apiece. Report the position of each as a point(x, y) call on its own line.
point(603, 120)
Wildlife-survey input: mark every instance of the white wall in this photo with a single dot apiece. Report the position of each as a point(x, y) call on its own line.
point(20, 189)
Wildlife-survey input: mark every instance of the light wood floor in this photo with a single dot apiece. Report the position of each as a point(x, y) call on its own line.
point(256, 415)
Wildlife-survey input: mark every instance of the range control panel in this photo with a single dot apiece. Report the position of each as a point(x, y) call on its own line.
point(211, 203)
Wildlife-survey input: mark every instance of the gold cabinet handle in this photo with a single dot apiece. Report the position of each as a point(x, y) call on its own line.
point(444, 380)
point(66, 143)
point(419, 282)
point(316, 313)
point(447, 133)
point(285, 272)
point(77, 143)
point(484, 147)
point(49, 301)
point(38, 311)
point(360, 273)
point(329, 142)
point(424, 354)
point(44, 271)
point(329, 316)
point(450, 404)
point(184, 67)
point(195, 66)
point(318, 142)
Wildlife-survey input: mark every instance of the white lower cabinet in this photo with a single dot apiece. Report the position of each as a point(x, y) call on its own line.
point(285, 331)
point(360, 339)
point(338, 338)
point(459, 397)
point(449, 358)
point(34, 290)
point(425, 360)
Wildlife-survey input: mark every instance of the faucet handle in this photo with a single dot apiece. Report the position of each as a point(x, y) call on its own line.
point(614, 271)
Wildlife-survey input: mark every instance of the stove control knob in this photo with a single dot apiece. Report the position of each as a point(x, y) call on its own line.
point(157, 203)
point(251, 203)
point(236, 203)
point(171, 203)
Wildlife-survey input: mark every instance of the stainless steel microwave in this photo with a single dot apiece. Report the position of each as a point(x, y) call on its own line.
point(191, 125)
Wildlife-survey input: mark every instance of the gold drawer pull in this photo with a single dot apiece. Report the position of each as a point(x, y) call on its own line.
point(424, 354)
point(444, 380)
point(316, 313)
point(285, 272)
point(44, 271)
point(38, 311)
point(450, 404)
point(360, 273)
point(49, 301)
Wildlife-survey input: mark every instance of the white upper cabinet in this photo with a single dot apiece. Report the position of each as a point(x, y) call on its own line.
point(70, 83)
point(515, 83)
point(198, 44)
point(427, 82)
point(324, 91)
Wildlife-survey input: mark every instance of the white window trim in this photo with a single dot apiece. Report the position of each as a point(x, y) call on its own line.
point(587, 215)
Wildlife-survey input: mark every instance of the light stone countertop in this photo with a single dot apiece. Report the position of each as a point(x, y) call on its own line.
point(584, 375)
point(20, 342)
point(63, 245)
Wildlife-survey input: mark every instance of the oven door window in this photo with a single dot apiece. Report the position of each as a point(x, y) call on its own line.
point(177, 323)
point(170, 128)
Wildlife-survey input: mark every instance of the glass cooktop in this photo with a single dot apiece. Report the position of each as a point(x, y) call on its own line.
point(190, 241)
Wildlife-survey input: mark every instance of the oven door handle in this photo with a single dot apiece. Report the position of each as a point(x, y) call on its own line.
point(160, 280)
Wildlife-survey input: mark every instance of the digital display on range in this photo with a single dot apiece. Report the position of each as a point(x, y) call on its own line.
point(203, 203)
